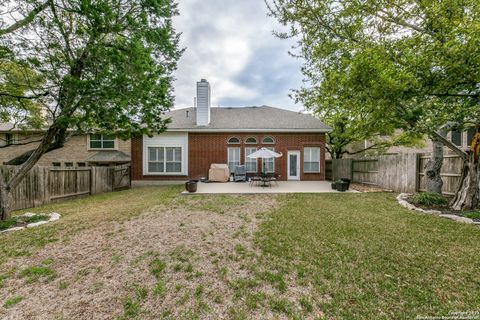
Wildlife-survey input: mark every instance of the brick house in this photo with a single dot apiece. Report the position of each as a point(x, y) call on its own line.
point(200, 136)
point(80, 149)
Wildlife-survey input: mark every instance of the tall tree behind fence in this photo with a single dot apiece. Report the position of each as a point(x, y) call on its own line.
point(43, 185)
point(398, 172)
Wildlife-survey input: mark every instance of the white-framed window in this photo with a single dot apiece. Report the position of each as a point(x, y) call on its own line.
point(233, 158)
point(269, 164)
point(250, 164)
point(100, 141)
point(251, 140)
point(233, 140)
point(268, 140)
point(311, 159)
point(164, 160)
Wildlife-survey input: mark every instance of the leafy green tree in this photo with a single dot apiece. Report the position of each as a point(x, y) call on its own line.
point(16, 105)
point(351, 127)
point(417, 63)
point(104, 65)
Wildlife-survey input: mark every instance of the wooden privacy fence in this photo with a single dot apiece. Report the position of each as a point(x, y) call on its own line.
point(397, 172)
point(43, 185)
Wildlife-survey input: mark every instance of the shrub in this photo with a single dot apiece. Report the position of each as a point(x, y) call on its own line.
point(7, 224)
point(20, 220)
point(473, 215)
point(429, 199)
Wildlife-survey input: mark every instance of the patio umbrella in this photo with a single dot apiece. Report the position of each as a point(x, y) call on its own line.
point(264, 153)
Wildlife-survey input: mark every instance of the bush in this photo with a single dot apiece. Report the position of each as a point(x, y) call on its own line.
point(7, 224)
point(429, 199)
point(21, 220)
point(473, 215)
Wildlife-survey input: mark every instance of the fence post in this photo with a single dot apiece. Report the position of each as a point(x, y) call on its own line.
point(92, 180)
point(417, 171)
point(351, 170)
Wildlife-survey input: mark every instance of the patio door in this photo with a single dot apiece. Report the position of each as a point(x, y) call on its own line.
point(293, 165)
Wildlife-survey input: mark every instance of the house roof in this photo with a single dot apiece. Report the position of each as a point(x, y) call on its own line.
point(6, 126)
point(264, 118)
point(10, 127)
point(109, 156)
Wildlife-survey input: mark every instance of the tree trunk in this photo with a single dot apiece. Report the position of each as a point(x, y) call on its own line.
point(433, 179)
point(468, 193)
point(54, 138)
point(5, 199)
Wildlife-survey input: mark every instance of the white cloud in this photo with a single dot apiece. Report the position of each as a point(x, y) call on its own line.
point(230, 43)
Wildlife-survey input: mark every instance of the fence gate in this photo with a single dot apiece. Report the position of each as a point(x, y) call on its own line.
point(121, 177)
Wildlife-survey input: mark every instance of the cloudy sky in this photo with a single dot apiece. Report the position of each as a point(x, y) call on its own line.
point(230, 43)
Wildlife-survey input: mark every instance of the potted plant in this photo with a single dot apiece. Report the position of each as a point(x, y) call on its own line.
point(341, 185)
point(191, 186)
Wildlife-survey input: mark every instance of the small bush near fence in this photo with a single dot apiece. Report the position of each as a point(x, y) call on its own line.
point(21, 221)
point(429, 199)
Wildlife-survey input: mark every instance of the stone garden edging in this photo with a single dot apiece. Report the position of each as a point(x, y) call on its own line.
point(402, 200)
point(53, 217)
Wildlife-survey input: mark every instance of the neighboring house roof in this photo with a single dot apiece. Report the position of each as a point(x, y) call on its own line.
point(10, 127)
point(261, 119)
point(6, 126)
point(109, 156)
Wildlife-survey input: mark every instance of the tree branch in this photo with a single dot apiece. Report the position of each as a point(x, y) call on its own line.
point(373, 146)
point(5, 94)
point(29, 18)
point(450, 145)
point(19, 144)
point(470, 95)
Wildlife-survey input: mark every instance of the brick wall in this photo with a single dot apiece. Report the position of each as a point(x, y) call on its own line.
point(207, 148)
point(75, 150)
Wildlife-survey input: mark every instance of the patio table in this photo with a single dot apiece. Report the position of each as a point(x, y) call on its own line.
point(265, 181)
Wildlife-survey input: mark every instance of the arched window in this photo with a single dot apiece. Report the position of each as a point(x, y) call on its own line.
point(268, 140)
point(251, 140)
point(233, 140)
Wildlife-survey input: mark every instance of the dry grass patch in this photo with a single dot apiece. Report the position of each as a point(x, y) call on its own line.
point(146, 253)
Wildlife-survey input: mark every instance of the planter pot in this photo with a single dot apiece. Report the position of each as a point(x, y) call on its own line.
point(347, 181)
point(191, 186)
point(334, 186)
point(342, 186)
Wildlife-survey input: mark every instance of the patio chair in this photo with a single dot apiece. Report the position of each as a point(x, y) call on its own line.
point(255, 180)
point(240, 174)
point(273, 177)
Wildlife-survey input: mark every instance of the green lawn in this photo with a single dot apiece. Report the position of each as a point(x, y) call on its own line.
point(325, 256)
point(373, 259)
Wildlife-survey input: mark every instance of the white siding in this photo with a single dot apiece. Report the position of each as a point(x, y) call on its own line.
point(167, 139)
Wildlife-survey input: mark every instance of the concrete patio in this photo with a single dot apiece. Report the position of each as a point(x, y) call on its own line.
point(280, 187)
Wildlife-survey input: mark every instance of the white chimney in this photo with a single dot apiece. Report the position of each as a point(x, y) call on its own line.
point(203, 103)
